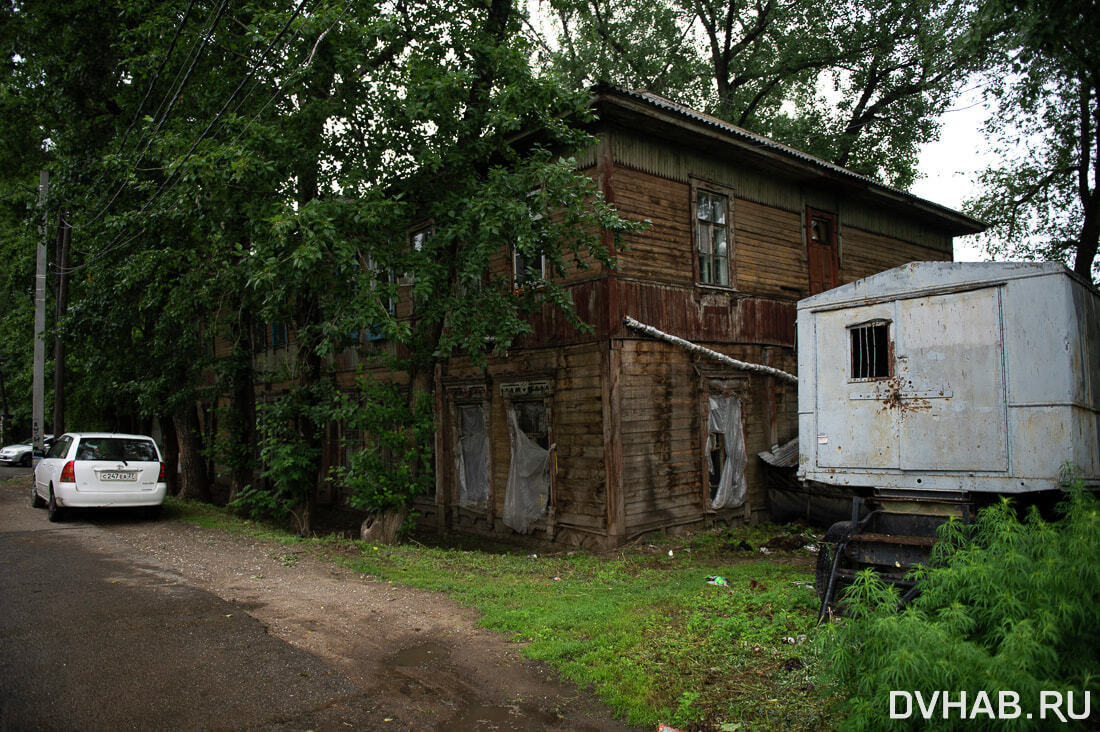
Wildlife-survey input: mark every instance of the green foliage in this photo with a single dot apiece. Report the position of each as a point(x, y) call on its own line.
point(1043, 200)
point(859, 83)
point(1012, 606)
point(289, 454)
point(390, 461)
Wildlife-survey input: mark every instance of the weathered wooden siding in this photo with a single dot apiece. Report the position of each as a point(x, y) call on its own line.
point(660, 417)
point(863, 253)
point(665, 251)
point(674, 162)
point(767, 248)
point(575, 417)
point(663, 413)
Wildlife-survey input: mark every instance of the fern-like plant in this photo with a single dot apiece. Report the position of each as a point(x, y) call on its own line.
point(1011, 605)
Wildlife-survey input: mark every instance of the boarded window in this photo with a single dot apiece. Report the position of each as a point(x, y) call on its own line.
point(711, 238)
point(472, 457)
point(726, 452)
point(528, 491)
point(871, 350)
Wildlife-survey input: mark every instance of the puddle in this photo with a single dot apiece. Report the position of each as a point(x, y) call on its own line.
point(487, 717)
point(425, 654)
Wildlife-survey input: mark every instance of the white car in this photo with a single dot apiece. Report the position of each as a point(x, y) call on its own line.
point(96, 469)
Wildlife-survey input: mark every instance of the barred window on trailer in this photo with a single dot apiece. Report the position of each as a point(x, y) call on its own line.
point(871, 350)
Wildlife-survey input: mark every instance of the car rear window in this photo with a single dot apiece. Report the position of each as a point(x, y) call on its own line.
point(116, 448)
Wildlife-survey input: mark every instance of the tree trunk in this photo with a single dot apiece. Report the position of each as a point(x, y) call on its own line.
point(171, 455)
point(384, 527)
point(241, 420)
point(194, 481)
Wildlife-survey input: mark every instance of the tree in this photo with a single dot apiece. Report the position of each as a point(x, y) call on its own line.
point(857, 83)
point(444, 128)
point(1042, 201)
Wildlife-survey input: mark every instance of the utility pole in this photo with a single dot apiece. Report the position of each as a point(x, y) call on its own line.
point(64, 239)
point(38, 396)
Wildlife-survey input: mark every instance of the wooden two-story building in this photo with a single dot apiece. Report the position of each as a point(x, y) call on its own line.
point(595, 438)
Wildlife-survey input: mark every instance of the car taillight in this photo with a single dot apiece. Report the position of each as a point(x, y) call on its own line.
point(162, 475)
point(68, 473)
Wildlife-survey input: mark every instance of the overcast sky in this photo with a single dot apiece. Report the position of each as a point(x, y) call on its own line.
point(952, 164)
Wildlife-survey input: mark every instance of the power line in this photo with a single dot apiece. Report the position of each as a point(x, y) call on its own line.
point(151, 136)
point(148, 92)
point(173, 177)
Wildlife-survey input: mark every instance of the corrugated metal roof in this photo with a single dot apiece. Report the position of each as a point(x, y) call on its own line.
point(758, 140)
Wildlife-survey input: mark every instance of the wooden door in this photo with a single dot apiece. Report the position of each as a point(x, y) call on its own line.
point(821, 251)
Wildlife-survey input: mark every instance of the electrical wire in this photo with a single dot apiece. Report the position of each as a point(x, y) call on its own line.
point(167, 111)
point(173, 178)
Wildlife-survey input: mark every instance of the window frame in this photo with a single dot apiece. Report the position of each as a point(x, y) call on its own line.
point(519, 280)
point(871, 363)
point(701, 188)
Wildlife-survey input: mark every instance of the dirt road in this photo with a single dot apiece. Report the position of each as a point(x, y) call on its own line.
point(414, 654)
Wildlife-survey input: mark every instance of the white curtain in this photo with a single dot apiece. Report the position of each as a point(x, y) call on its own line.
point(725, 419)
point(472, 457)
point(528, 488)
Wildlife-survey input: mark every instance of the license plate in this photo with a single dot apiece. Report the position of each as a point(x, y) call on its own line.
point(118, 476)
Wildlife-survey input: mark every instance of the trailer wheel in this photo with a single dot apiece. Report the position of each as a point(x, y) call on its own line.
point(826, 552)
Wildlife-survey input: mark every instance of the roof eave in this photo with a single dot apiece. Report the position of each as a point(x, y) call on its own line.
point(614, 104)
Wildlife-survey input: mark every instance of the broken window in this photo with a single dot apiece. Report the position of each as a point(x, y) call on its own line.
point(871, 350)
point(711, 238)
point(726, 458)
point(528, 492)
point(472, 456)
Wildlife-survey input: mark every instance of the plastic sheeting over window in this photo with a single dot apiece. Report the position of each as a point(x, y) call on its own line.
point(472, 457)
point(528, 488)
point(725, 418)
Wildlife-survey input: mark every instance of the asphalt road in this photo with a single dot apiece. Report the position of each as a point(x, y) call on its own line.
point(92, 638)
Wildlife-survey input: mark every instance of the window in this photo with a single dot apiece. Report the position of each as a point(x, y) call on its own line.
point(725, 452)
point(871, 350)
point(383, 281)
point(712, 238)
point(528, 270)
point(278, 334)
point(472, 456)
point(417, 239)
point(527, 495)
point(60, 448)
point(116, 448)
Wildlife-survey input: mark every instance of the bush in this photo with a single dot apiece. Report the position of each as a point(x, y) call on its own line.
point(1011, 606)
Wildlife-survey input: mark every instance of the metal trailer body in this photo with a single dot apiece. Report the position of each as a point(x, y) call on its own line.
point(989, 382)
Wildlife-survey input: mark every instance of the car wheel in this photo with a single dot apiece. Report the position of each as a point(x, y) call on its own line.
point(27, 459)
point(36, 500)
point(53, 511)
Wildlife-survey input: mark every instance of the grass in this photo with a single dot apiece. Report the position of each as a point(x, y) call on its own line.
point(640, 626)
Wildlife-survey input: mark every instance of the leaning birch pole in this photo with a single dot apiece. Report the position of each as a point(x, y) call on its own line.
point(755, 368)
